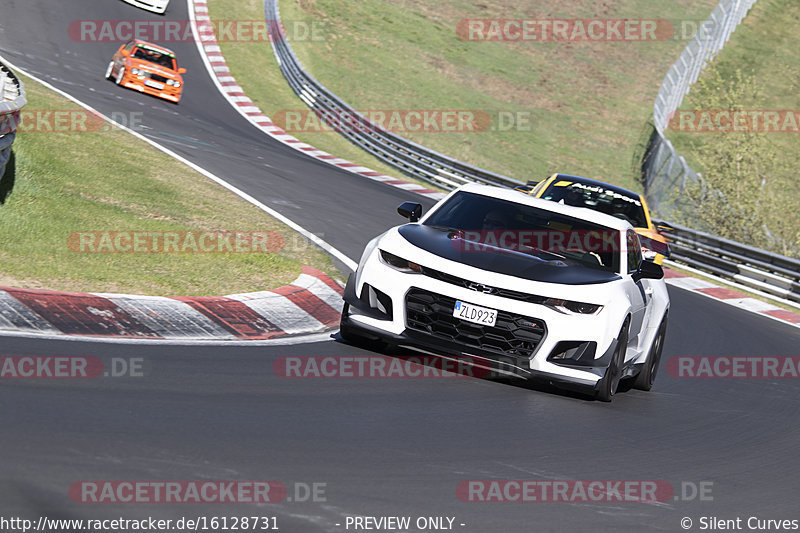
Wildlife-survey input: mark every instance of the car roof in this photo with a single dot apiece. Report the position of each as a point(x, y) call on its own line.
point(167, 51)
point(580, 213)
point(598, 183)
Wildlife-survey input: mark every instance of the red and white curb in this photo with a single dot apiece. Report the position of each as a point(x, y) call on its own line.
point(731, 297)
point(310, 304)
point(230, 89)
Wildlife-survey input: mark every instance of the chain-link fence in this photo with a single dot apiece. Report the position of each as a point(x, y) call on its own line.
point(12, 98)
point(663, 170)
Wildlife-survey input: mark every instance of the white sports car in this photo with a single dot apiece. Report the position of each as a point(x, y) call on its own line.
point(156, 6)
point(518, 285)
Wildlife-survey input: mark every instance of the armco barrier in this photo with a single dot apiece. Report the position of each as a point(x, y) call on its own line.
point(760, 270)
point(12, 98)
point(404, 155)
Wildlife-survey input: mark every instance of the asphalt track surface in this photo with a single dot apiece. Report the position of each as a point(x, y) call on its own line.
point(381, 447)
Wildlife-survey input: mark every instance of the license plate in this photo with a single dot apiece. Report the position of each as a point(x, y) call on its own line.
point(475, 314)
point(154, 84)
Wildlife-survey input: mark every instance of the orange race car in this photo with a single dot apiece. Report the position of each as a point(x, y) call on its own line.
point(148, 68)
point(607, 198)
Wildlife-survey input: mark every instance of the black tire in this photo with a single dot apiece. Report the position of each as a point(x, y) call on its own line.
point(120, 75)
point(610, 382)
point(647, 376)
point(109, 70)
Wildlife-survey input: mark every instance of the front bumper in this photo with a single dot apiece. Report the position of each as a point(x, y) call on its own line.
point(172, 96)
point(361, 318)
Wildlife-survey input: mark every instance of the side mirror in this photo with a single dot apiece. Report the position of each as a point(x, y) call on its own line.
point(181, 70)
point(410, 210)
point(649, 270)
point(664, 226)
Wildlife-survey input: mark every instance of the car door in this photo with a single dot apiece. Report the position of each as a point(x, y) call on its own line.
point(639, 292)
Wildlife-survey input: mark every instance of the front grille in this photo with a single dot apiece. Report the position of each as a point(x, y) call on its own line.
point(155, 77)
point(497, 291)
point(512, 335)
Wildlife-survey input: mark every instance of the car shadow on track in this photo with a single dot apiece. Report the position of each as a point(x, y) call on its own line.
point(464, 367)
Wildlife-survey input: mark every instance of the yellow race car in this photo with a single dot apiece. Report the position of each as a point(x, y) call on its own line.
point(606, 198)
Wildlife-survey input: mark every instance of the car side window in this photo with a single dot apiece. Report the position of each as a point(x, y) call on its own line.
point(128, 47)
point(634, 251)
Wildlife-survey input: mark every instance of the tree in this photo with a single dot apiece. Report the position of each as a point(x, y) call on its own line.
point(736, 159)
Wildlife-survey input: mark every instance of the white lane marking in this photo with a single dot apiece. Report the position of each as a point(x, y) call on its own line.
point(222, 74)
point(281, 341)
point(757, 306)
point(298, 228)
point(690, 284)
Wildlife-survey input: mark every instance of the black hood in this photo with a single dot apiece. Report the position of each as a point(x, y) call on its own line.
point(449, 245)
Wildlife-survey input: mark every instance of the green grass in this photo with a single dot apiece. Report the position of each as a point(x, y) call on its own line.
point(108, 180)
point(255, 68)
point(587, 102)
point(762, 47)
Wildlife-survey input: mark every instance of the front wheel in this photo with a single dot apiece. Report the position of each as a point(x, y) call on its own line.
point(120, 75)
point(647, 376)
point(610, 382)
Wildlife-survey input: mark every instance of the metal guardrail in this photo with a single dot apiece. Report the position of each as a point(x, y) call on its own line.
point(663, 169)
point(12, 99)
point(408, 157)
point(758, 269)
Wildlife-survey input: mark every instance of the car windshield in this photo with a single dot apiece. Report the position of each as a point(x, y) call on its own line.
point(492, 225)
point(154, 56)
point(598, 198)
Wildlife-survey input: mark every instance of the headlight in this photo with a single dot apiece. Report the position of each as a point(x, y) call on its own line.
point(134, 71)
point(398, 263)
point(565, 306)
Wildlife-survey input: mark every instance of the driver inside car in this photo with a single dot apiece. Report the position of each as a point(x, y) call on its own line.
point(496, 219)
